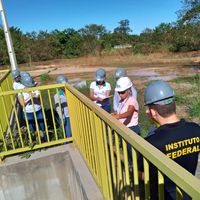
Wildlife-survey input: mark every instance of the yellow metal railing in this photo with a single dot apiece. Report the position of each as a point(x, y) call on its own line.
point(102, 141)
point(5, 85)
point(18, 137)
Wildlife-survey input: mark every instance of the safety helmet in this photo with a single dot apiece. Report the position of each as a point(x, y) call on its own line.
point(158, 92)
point(123, 84)
point(15, 73)
point(24, 74)
point(28, 81)
point(61, 79)
point(100, 75)
point(120, 72)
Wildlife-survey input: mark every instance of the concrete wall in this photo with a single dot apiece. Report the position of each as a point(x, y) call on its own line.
point(56, 174)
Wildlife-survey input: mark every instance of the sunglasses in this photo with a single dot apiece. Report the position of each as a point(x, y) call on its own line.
point(100, 82)
point(122, 92)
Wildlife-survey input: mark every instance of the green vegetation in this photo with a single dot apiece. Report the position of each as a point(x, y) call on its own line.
point(189, 95)
point(45, 77)
point(195, 108)
point(180, 36)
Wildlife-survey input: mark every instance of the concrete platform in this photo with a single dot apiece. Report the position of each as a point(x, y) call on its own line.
point(55, 174)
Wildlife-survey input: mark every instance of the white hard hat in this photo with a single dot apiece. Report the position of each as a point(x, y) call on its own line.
point(123, 84)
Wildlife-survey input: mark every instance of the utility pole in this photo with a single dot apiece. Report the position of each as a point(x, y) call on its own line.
point(9, 42)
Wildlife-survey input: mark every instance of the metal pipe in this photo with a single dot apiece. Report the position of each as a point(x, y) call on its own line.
point(9, 42)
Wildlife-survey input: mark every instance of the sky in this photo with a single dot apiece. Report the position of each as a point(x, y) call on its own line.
point(48, 15)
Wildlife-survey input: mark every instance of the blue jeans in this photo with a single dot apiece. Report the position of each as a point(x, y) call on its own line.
point(136, 129)
point(106, 108)
point(31, 120)
point(67, 127)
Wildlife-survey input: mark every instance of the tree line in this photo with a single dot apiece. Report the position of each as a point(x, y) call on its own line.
point(180, 36)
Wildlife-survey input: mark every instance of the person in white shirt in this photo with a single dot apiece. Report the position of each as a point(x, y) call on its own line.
point(120, 72)
point(25, 100)
point(100, 90)
point(17, 85)
point(64, 107)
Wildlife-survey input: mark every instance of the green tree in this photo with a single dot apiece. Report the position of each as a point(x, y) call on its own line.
point(92, 38)
point(3, 49)
point(190, 12)
point(121, 33)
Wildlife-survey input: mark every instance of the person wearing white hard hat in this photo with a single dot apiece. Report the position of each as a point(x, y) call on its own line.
point(100, 90)
point(121, 72)
point(127, 110)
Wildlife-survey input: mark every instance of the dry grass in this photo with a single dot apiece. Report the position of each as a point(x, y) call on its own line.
point(122, 59)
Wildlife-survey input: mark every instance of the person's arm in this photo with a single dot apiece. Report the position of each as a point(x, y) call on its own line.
point(92, 97)
point(36, 97)
point(21, 100)
point(107, 93)
point(128, 113)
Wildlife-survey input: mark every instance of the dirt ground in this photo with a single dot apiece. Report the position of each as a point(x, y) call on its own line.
point(140, 68)
point(139, 74)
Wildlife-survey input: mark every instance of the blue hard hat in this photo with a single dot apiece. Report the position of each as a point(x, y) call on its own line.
point(158, 92)
point(24, 74)
point(15, 73)
point(120, 72)
point(100, 75)
point(28, 81)
point(61, 79)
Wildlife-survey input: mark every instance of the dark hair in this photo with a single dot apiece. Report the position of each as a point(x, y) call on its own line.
point(164, 110)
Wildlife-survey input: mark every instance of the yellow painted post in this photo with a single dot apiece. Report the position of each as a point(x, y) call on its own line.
point(146, 179)
point(71, 100)
point(126, 165)
point(27, 124)
point(99, 133)
point(135, 174)
point(75, 122)
point(110, 141)
point(119, 166)
point(52, 114)
point(45, 120)
point(96, 143)
point(87, 135)
point(7, 121)
point(179, 194)
point(108, 167)
point(90, 137)
point(160, 185)
point(35, 118)
point(81, 131)
point(17, 120)
point(84, 134)
point(3, 138)
point(61, 113)
point(96, 150)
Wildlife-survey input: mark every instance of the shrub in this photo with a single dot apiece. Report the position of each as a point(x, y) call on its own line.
point(45, 77)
